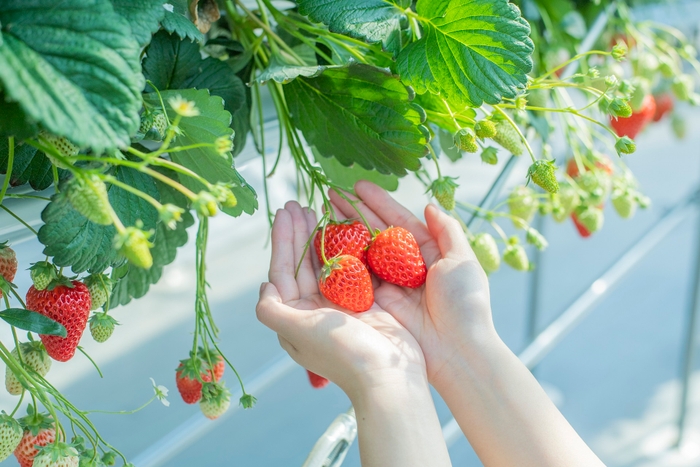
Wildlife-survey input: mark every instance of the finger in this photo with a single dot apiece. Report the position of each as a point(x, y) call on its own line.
point(448, 233)
point(311, 223)
point(282, 258)
point(350, 211)
point(390, 211)
point(339, 215)
point(286, 345)
point(306, 279)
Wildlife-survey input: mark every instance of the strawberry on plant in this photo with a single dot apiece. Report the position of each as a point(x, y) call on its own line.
point(683, 86)
point(394, 256)
point(443, 189)
point(485, 129)
point(635, 123)
point(542, 172)
point(465, 140)
point(534, 237)
point(346, 282)
point(190, 375)
point(567, 200)
point(42, 273)
point(57, 454)
point(100, 286)
point(588, 220)
point(64, 147)
point(88, 195)
point(490, 155)
point(39, 431)
point(10, 435)
point(34, 357)
point(134, 244)
point(664, 105)
point(349, 237)
point(601, 161)
point(508, 138)
point(8, 263)
point(216, 399)
point(486, 251)
point(67, 302)
point(522, 205)
point(317, 381)
point(624, 203)
point(515, 256)
point(102, 326)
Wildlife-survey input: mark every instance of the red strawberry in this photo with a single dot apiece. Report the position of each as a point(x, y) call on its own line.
point(317, 381)
point(39, 430)
point(346, 282)
point(188, 384)
point(582, 230)
point(603, 163)
point(8, 263)
point(70, 306)
point(632, 125)
point(664, 104)
point(344, 238)
point(394, 256)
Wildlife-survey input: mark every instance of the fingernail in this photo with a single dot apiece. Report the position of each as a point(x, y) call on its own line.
point(262, 287)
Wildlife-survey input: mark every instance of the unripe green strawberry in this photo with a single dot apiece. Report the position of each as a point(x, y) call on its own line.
point(591, 218)
point(534, 237)
point(678, 125)
point(515, 256)
point(100, 286)
point(160, 123)
point(538, 98)
point(486, 251)
point(465, 140)
point(624, 203)
point(523, 205)
point(57, 454)
point(10, 435)
point(620, 108)
point(146, 122)
point(543, 173)
point(485, 129)
point(490, 155)
point(42, 273)
point(34, 356)
point(443, 190)
point(102, 326)
point(88, 195)
point(205, 204)
point(568, 199)
point(625, 145)
point(64, 147)
point(216, 399)
point(508, 138)
point(133, 243)
point(682, 86)
point(642, 88)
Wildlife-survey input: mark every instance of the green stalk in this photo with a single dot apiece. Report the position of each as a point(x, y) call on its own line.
point(10, 163)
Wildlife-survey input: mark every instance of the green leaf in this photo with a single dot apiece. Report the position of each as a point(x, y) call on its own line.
point(444, 116)
point(144, 17)
point(177, 22)
point(213, 122)
point(346, 177)
point(74, 241)
point(447, 145)
point(30, 166)
point(471, 52)
point(283, 72)
point(32, 321)
point(360, 114)
point(172, 63)
point(373, 21)
point(74, 67)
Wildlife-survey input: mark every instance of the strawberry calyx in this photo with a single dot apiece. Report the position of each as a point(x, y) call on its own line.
point(56, 451)
point(61, 281)
point(35, 422)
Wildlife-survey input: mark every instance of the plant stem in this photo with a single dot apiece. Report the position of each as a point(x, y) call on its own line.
point(10, 163)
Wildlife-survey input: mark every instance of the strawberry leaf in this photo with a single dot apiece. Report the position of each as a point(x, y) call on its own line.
point(177, 22)
point(373, 21)
point(346, 177)
point(76, 242)
point(30, 166)
point(32, 321)
point(213, 122)
point(360, 114)
point(282, 72)
point(471, 52)
point(74, 67)
point(143, 16)
point(172, 63)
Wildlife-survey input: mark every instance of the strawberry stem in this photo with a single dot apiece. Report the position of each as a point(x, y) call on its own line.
point(10, 164)
point(353, 204)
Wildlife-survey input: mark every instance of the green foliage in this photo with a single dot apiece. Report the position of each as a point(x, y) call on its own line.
point(32, 321)
point(360, 114)
point(283, 72)
point(144, 17)
point(346, 177)
point(176, 22)
point(79, 79)
point(471, 51)
point(30, 166)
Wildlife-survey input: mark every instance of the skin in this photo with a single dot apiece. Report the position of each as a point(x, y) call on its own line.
point(441, 333)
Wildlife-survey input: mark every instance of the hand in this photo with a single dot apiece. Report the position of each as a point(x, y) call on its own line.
point(357, 351)
point(452, 310)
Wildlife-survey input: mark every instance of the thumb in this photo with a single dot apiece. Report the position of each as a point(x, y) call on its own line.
point(448, 233)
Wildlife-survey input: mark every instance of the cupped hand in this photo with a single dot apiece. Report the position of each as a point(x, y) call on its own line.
point(357, 351)
point(452, 310)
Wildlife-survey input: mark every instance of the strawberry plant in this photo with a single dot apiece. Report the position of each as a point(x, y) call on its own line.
point(125, 118)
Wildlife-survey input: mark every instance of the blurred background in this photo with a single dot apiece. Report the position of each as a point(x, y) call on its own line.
point(618, 376)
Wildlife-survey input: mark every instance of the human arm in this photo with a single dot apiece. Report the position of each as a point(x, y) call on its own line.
point(373, 359)
point(499, 405)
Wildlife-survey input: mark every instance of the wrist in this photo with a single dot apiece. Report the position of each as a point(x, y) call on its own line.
point(384, 386)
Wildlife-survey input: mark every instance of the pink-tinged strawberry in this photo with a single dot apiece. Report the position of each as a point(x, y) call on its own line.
point(68, 303)
point(8, 263)
point(10, 435)
point(664, 105)
point(216, 399)
point(39, 431)
point(34, 357)
point(394, 256)
point(343, 238)
point(190, 375)
point(346, 282)
point(632, 125)
point(57, 454)
point(588, 220)
point(317, 381)
point(602, 162)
